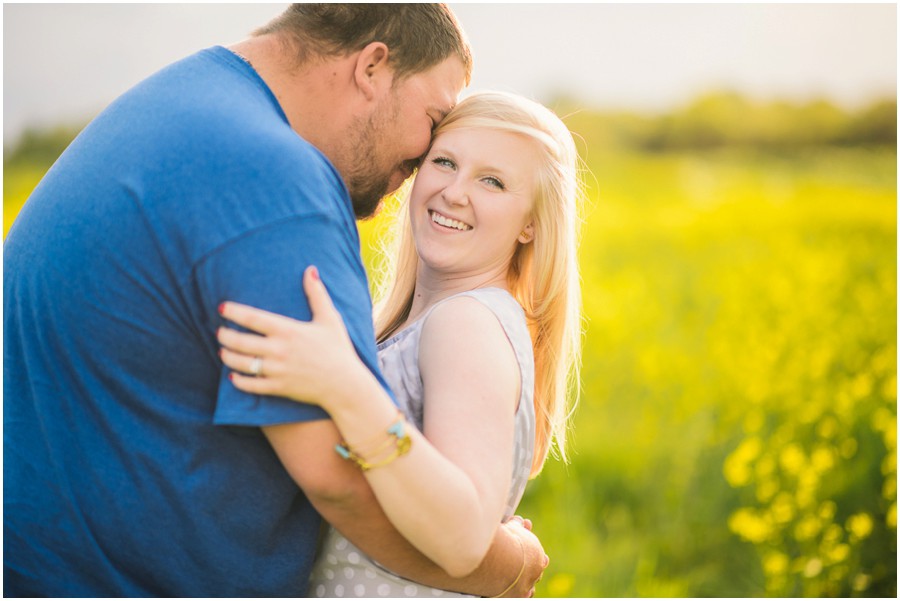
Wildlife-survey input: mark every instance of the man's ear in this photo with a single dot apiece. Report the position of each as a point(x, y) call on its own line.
point(372, 72)
point(527, 234)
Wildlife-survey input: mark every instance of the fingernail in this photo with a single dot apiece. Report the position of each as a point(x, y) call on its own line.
point(231, 376)
point(314, 273)
point(221, 308)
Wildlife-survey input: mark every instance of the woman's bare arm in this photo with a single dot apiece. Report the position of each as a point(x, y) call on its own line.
point(341, 494)
point(447, 498)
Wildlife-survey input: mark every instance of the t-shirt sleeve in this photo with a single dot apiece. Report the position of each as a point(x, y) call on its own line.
point(264, 268)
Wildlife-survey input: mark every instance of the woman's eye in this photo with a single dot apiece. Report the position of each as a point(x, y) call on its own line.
point(443, 162)
point(494, 182)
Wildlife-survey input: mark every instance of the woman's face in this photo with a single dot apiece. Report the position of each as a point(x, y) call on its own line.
point(471, 201)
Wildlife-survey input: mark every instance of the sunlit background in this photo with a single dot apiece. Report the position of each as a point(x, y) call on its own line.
point(737, 429)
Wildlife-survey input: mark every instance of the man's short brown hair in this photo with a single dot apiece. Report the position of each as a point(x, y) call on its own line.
point(418, 36)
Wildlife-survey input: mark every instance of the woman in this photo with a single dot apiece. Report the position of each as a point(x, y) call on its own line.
point(479, 334)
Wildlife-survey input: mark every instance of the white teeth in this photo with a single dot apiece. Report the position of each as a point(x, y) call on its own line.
point(447, 222)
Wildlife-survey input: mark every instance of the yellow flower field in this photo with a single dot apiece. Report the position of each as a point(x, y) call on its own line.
point(737, 429)
point(736, 434)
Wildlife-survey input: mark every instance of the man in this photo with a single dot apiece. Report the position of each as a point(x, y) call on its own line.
point(131, 466)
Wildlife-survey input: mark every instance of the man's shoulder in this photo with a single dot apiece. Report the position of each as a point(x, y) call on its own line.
point(211, 105)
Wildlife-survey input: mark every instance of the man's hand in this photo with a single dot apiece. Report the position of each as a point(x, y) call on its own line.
point(534, 557)
point(525, 522)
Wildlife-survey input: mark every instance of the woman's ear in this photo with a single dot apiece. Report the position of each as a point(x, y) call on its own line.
point(527, 234)
point(372, 72)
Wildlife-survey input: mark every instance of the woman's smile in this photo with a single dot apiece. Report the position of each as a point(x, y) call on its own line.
point(448, 223)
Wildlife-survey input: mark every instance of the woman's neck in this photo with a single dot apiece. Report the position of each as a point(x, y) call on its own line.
point(431, 288)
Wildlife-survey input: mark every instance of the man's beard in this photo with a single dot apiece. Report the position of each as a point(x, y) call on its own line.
point(367, 182)
point(366, 192)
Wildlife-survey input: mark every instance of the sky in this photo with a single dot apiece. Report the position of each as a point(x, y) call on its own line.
point(63, 63)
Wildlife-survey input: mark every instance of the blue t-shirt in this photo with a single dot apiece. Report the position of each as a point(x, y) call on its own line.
point(131, 465)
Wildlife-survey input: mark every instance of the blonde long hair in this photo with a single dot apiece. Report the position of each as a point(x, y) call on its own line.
point(543, 275)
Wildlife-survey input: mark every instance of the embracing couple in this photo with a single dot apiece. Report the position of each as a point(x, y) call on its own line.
point(193, 376)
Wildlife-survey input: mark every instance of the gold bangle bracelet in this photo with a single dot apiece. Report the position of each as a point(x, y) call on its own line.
point(383, 455)
point(521, 571)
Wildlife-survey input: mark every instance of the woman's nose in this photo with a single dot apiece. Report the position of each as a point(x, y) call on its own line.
point(455, 192)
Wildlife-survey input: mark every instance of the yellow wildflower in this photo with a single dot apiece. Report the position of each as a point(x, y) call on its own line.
point(737, 465)
point(813, 567)
point(747, 524)
point(889, 490)
point(860, 525)
point(822, 459)
point(560, 585)
point(827, 510)
point(792, 458)
point(827, 428)
point(766, 489)
point(807, 528)
point(833, 533)
point(861, 386)
point(783, 508)
point(838, 553)
point(775, 562)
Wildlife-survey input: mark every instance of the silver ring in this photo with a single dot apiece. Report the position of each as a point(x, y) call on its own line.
point(256, 367)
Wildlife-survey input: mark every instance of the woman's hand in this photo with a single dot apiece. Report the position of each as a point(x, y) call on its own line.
point(305, 361)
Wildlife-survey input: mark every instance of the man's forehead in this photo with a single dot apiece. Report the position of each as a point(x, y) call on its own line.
point(437, 89)
point(447, 80)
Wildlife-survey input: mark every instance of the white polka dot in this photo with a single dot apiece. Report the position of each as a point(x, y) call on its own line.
point(437, 592)
point(339, 590)
point(384, 590)
point(349, 573)
point(331, 559)
point(353, 557)
point(320, 590)
point(341, 544)
point(370, 573)
point(411, 590)
point(359, 590)
point(329, 574)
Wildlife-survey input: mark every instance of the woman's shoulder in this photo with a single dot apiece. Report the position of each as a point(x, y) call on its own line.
point(497, 300)
point(481, 314)
point(477, 315)
point(464, 344)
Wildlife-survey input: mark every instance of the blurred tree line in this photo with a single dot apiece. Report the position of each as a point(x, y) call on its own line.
point(713, 120)
point(38, 146)
point(728, 119)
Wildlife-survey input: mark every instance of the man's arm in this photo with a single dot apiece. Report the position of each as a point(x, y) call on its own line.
point(339, 492)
